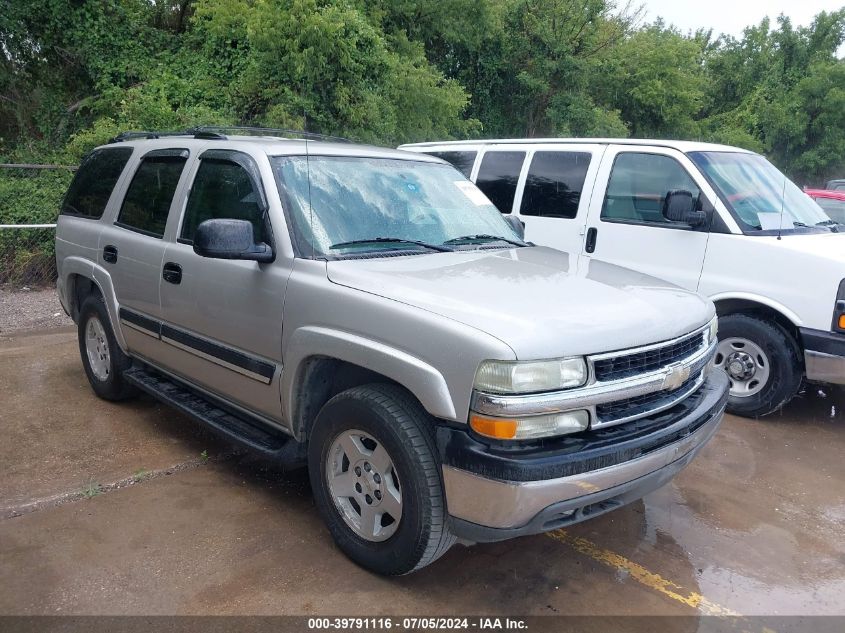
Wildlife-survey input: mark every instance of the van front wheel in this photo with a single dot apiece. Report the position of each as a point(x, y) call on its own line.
point(762, 362)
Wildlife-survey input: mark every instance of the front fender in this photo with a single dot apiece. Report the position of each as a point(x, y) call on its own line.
point(755, 298)
point(417, 376)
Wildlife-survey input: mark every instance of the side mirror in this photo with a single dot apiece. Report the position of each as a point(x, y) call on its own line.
point(230, 239)
point(516, 224)
point(679, 206)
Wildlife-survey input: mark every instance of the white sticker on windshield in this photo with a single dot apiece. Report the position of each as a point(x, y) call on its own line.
point(472, 192)
point(769, 221)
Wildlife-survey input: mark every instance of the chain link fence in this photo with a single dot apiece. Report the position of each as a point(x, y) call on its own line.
point(30, 196)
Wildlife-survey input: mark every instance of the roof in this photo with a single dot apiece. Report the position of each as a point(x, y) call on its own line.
point(272, 146)
point(825, 193)
point(683, 146)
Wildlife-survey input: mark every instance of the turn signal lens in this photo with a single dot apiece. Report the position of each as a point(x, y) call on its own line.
point(530, 428)
point(493, 427)
point(842, 321)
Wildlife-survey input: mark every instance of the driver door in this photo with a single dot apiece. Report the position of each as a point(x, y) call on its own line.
point(626, 224)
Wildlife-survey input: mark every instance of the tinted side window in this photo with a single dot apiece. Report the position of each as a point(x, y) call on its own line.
point(497, 177)
point(554, 184)
point(89, 192)
point(222, 190)
point(639, 184)
point(150, 193)
point(463, 161)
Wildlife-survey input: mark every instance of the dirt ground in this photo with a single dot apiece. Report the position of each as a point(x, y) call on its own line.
point(30, 308)
point(132, 509)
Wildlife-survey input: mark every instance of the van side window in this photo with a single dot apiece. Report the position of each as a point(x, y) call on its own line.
point(222, 190)
point(463, 161)
point(91, 188)
point(147, 201)
point(497, 177)
point(638, 186)
point(554, 184)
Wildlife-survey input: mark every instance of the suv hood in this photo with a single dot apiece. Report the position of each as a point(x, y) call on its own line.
point(533, 299)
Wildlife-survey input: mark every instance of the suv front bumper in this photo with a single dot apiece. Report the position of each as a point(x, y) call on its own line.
point(496, 492)
point(824, 356)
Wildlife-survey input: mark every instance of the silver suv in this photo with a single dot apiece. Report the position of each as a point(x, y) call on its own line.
point(370, 314)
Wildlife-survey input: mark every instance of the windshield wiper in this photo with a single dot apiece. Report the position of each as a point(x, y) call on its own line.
point(392, 240)
point(484, 237)
point(833, 225)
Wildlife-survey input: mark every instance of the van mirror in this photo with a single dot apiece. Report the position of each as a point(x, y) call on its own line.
point(516, 224)
point(679, 206)
point(230, 239)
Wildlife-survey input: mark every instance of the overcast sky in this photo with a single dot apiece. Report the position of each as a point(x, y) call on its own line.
point(731, 16)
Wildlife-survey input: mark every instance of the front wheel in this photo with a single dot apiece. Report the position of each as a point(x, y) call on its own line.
point(376, 479)
point(762, 362)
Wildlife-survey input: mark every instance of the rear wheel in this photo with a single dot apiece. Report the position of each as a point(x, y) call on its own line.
point(102, 358)
point(762, 362)
point(376, 479)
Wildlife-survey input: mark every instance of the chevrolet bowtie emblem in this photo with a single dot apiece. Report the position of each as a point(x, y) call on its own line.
point(675, 377)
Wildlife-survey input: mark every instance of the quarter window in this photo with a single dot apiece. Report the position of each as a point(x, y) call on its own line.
point(147, 201)
point(498, 175)
point(223, 190)
point(554, 184)
point(638, 186)
point(91, 188)
point(462, 161)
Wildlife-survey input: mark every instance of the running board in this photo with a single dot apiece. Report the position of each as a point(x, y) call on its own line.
point(247, 432)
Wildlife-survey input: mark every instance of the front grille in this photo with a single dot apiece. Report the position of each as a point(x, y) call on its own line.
point(638, 406)
point(627, 365)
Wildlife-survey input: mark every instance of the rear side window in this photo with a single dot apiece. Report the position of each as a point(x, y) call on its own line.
point(498, 175)
point(147, 201)
point(463, 161)
point(638, 186)
point(89, 192)
point(554, 184)
point(223, 190)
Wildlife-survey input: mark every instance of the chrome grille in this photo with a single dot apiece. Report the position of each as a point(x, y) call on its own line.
point(648, 404)
point(626, 365)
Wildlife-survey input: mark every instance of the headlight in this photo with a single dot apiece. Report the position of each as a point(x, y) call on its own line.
point(530, 427)
point(712, 331)
point(495, 376)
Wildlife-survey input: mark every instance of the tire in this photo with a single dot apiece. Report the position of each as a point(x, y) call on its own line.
point(769, 369)
point(374, 417)
point(106, 362)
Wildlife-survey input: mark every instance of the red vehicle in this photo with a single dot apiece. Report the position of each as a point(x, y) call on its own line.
point(833, 202)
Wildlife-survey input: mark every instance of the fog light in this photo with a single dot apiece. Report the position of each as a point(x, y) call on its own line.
point(530, 428)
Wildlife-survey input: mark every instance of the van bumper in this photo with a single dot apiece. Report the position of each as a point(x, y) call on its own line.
point(497, 493)
point(824, 356)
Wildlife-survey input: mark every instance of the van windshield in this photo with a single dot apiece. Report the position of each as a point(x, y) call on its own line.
point(758, 194)
point(342, 206)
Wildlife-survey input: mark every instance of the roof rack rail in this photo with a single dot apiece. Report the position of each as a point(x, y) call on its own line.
point(195, 132)
point(269, 131)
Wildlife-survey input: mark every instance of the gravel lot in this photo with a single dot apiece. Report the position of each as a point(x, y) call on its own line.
point(30, 309)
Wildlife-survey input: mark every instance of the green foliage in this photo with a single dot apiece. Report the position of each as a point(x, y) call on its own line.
point(73, 73)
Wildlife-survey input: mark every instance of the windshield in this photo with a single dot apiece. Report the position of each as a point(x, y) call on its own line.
point(758, 194)
point(378, 205)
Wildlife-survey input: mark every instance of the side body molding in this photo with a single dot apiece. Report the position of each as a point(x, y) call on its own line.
point(423, 380)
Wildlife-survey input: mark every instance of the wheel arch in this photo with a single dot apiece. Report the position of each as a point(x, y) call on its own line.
point(321, 363)
point(82, 278)
point(761, 308)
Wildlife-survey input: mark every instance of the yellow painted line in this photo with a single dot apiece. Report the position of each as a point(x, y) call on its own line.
point(642, 575)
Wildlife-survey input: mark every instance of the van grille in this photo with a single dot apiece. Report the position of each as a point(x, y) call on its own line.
point(628, 365)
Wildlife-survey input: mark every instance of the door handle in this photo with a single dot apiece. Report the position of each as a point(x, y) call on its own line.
point(592, 234)
point(110, 254)
point(172, 273)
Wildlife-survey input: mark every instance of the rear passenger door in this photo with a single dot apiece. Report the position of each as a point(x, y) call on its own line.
point(627, 225)
point(554, 192)
point(222, 319)
point(132, 245)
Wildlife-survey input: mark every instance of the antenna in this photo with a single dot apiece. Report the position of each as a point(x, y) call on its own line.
point(782, 199)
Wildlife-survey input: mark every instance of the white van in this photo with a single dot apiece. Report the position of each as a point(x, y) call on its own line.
point(716, 219)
